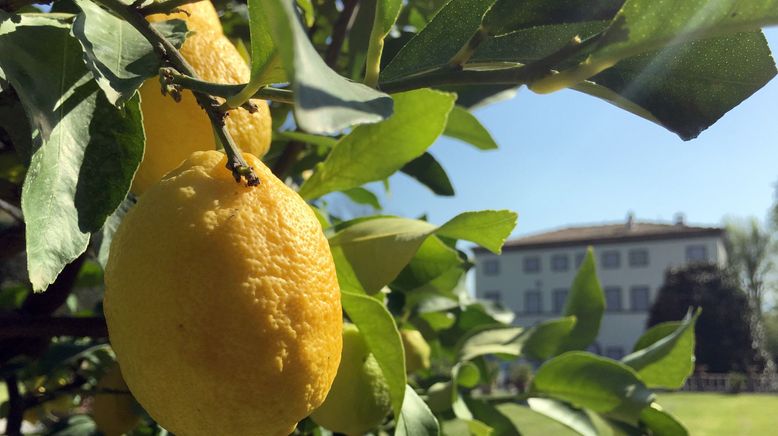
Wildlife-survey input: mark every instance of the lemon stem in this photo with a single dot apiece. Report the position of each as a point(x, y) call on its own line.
point(224, 90)
point(169, 53)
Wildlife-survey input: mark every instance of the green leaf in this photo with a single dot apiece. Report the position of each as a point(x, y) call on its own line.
point(266, 65)
point(563, 413)
point(432, 260)
point(643, 25)
point(501, 340)
point(110, 226)
point(361, 195)
point(318, 140)
point(485, 412)
point(76, 129)
point(600, 384)
point(112, 156)
point(464, 126)
point(416, 418)
point(655, 334)
point(506, 16)
point(325, 101)
point(14, 121)
point(661, 422)
point(386, 14)
point(380, 332)
point(428, 171)
point(466, 374)
point(667, 362)
point(646, 25)
point(586, 302)
point(119, 57)
point(396, 240)
point(439, 41)
point(544, 339)
point(487, 228)
point(385, 147)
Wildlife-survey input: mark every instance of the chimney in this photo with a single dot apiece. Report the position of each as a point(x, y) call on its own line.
point(630, 220)
point(680, 219)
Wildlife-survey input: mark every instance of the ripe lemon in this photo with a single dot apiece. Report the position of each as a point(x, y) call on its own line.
point(114, 413)
point(175, 130)
point(417, 351)
point(222, 302)
point(359, 399)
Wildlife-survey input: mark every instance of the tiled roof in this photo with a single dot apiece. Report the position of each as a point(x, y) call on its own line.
point(608, 233)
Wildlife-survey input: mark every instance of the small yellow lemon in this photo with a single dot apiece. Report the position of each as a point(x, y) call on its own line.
point(114, 412)
point(175, 130)
point(359, 399)
point(417, 351)
point(222, 302)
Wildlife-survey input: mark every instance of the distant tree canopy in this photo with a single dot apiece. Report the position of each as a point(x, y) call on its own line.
point(725, 341)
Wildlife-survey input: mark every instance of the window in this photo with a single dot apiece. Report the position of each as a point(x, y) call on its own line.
point(611, 259)
point(493, 296)
point(532, 264)
point(638, 257)
point(696, 253)
point(613, 298)
point(532, 302)
point(560, 298)
point(615, 353)
point(639, 298)
point(560, 262)
point(491, 267)
point(579, 258)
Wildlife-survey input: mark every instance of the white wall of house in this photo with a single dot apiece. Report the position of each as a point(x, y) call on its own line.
point(626, 280)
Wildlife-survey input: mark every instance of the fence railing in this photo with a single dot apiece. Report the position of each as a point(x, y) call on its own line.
point(731, 383)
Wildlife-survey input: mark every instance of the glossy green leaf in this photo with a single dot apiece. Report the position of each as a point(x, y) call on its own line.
point(647, 25)
point(396, 241)
point(487, 228)
point(109, 228)
point(506, 16)
point(433, 259)
point(416, 418)
point(119, 57)
point(464, 126)
point(428, 171)
point(380, 332)
point(15, 123)
point(361, 195)
point(485, 412)
point(544, 339)
point(501, 340)
point(439, 41)
point(586, 302)
point(600, 384)
point(319, 140)
point(71, 140)
point(466, 374)
point(325, 101)
point(655, 334)
point(385, 147)
point(575, 419)
point(667, 362)
point(266, 65)
point(661, 423)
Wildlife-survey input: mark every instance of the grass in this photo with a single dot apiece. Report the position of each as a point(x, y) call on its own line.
point(703, 414)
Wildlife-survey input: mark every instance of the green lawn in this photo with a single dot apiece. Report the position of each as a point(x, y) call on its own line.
point(704, 414)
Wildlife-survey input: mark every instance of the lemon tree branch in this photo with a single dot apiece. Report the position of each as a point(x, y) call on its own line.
point(165, 7)
point(169, 53)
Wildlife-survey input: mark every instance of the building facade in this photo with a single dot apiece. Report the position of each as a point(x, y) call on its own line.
point(533, 275)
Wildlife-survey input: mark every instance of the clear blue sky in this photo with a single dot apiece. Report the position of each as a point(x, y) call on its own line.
point(569, 158)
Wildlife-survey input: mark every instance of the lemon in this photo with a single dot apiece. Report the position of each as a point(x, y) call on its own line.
point(222, 302)
point(417, 351)
point(114, 413)
point(175, 130)
point(359, 399)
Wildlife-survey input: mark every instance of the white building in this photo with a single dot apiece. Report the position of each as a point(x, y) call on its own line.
point(533, 274)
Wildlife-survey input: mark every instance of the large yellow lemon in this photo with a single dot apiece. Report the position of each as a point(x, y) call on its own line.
point(175, 130)
point(222, 302)
point(359, 399)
